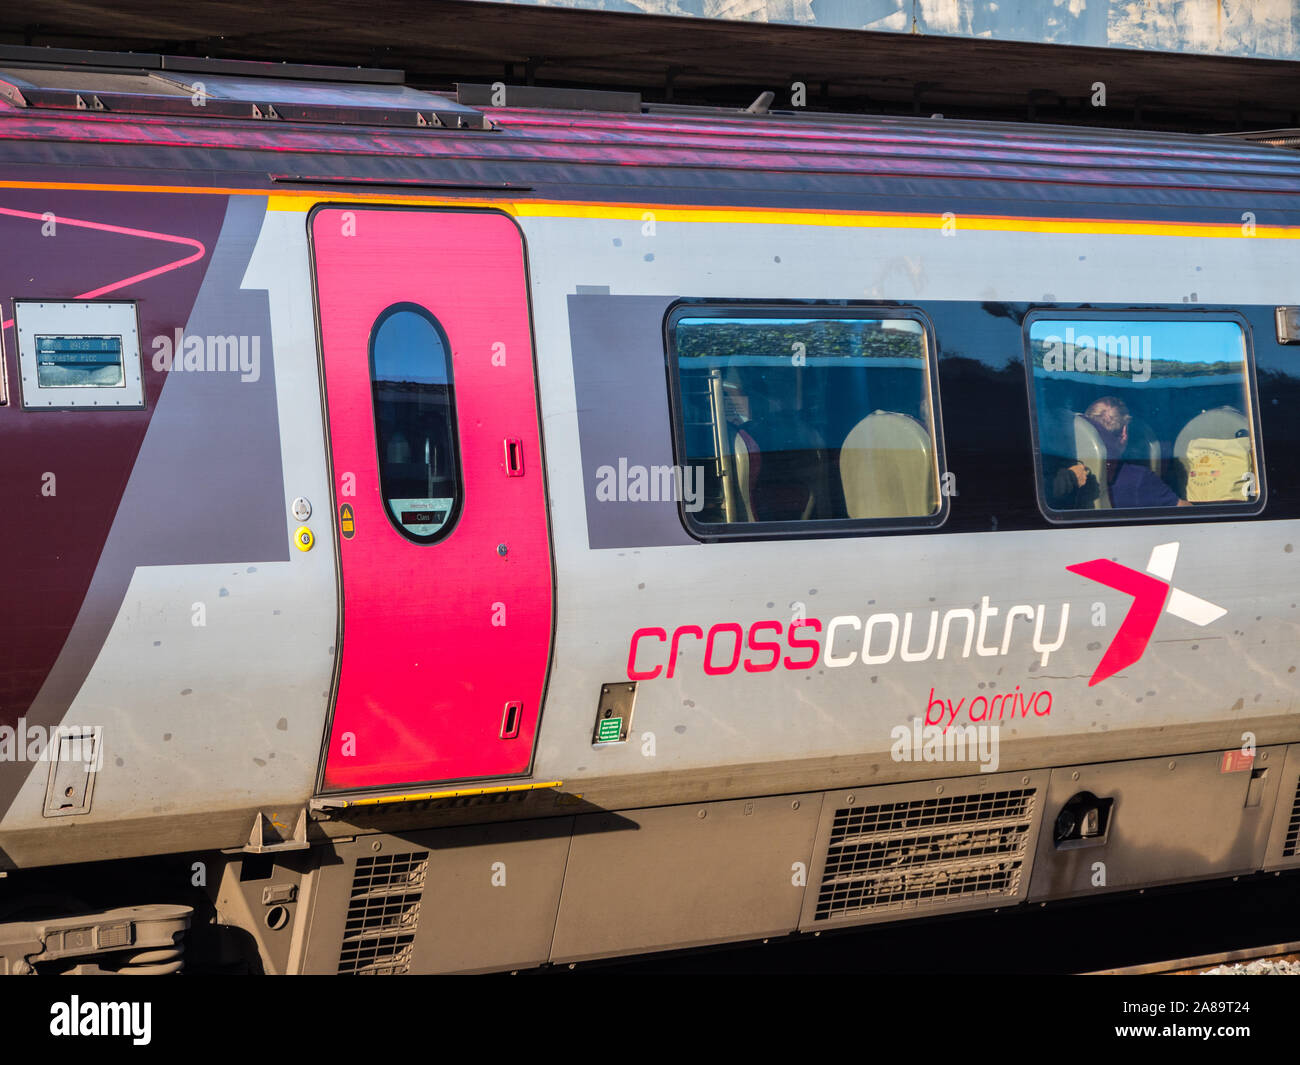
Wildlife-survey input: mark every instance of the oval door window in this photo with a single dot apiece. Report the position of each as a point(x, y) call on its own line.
point(415, 422)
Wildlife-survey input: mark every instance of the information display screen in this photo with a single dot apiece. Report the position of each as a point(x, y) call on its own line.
point(423, 517)
point(79, 362)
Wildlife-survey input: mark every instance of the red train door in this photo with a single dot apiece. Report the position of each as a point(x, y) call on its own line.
point(441, 513)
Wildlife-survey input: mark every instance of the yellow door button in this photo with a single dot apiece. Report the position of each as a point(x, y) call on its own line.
point(304, 539)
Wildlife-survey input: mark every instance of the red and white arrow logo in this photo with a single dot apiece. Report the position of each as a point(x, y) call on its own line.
point(1152, 594)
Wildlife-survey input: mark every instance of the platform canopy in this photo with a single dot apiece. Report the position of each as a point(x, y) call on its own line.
point(1161, 64)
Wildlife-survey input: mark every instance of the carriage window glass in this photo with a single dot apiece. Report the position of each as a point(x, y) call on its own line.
point(415, 422)
point(1145, 415)
point(794, 423)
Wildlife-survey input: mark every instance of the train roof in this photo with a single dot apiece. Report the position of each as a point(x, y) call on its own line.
point(276, 125)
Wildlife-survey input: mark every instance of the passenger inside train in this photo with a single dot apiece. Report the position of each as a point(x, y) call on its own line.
point(1129, 484)
point(1142, 414)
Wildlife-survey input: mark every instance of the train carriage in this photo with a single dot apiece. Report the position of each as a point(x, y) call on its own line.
point(470, 531)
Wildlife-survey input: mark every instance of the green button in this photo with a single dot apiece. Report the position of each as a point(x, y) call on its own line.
point(611, 728)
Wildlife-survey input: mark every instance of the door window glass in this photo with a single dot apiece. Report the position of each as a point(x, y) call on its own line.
point(415, 422)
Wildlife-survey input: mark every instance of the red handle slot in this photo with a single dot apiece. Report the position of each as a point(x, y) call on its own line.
point(514, 457)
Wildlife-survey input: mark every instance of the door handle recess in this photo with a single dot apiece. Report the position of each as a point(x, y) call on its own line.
point(510, 719)
point(514, 457)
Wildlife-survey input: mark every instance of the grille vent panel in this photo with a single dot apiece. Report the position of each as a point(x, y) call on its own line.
point(383, 912)
point(1293, 829)
point(904, 855)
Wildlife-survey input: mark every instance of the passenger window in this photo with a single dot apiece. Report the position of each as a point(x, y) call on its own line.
point(1143, 414)
point(802, 422)
point(415, 422)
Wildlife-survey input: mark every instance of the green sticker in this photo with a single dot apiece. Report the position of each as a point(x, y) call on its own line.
point(610, 729)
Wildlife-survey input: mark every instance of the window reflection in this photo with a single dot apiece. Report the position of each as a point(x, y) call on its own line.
point(1137, 414)
point(805, 419)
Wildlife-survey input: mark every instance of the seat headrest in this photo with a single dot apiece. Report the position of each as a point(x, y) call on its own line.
point(1221, 423)
point(882, 428)
point(1090, 449)
point(886, 468)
